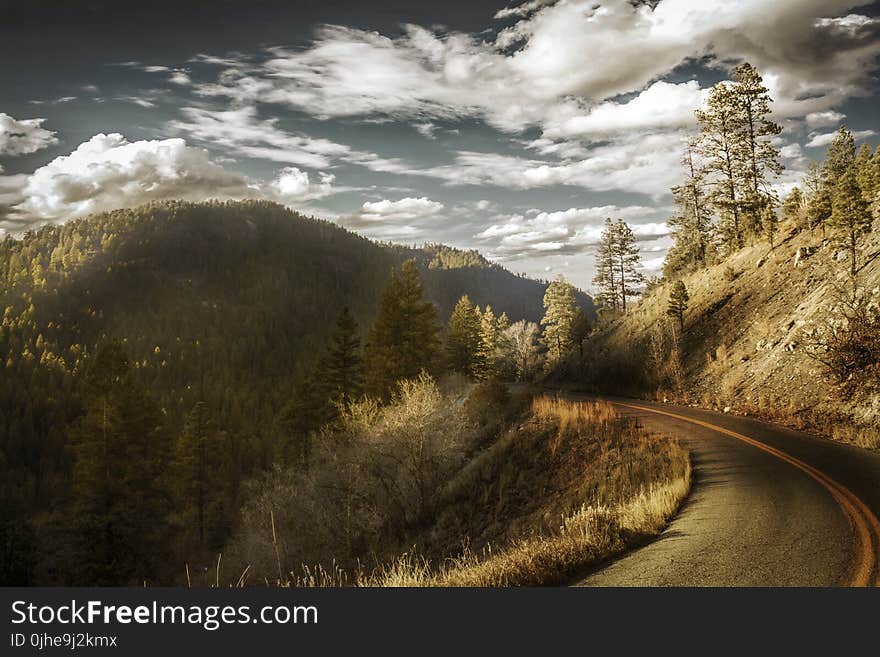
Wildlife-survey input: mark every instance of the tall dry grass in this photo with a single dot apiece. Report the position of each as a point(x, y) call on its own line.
point(632, 483)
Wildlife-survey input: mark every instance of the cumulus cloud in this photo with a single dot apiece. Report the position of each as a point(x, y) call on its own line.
point(108, 172)
point(293, 185)
point(571, 231)
point(21, 137)
point(824, 119)
point(570, 57)
point(406, 209)
point(821, 139)
point(661, 105)
point(399, 220)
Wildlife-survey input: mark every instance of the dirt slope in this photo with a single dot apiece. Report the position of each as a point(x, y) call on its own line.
point(744, 347)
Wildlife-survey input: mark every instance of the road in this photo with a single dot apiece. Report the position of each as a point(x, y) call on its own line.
point(769, 507)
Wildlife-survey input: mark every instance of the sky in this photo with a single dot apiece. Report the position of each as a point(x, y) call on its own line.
point(514, 129)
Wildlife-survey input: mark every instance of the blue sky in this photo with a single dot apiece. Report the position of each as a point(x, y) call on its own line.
point(515, 130)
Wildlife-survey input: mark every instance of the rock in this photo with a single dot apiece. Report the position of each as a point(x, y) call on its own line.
point(760, 261)
point(727, 409)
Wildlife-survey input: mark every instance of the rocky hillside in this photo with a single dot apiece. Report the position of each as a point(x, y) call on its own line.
point(746, 345)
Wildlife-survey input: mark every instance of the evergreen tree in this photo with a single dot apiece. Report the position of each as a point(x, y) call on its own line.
point(490, 343)
point(818, 199)
point(839, 158)
point(724, 150)
point(403, 340)
point(625, 251)
point(793, 207)
point(202, 477)
point(692, 223)
point(850, 216)
point(678, 303)
point(761, 156)
point(343, 366)
point(769, 223)
point(605, 279)
point(119, 517)
point(868, 173)
point(463, 337)
point(559, 317)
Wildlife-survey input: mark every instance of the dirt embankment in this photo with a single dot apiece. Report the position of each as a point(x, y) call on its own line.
point(745, 347)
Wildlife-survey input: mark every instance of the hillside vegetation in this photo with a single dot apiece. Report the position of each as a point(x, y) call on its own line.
point(766, 306)
point(156, 359)
point(460, 486)
point(747, 342)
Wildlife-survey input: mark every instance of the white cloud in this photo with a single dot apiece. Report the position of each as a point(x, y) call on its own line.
point(571, 56)
point(108, 172)
point(661, 105)
point(21, 137)
point(820, 139)
point(824, 119)
point(293, 185)
point(641, 163)
point(523, 9)
point(243, 131)
point(575, 230)
point(406, 209)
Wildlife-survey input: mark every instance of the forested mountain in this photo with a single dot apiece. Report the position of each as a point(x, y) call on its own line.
point(220, 308)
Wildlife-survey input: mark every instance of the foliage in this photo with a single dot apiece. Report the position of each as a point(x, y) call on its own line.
point(403, 340)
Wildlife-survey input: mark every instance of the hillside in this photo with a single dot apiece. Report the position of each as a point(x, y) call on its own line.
point(225, 304)
point(746, 344)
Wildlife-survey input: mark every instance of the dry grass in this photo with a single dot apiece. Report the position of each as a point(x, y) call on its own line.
point(585, 538)
point(619, 483)
point(571, 485)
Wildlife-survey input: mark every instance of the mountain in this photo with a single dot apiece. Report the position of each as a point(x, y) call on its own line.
point(756, 332)
point(227, 303)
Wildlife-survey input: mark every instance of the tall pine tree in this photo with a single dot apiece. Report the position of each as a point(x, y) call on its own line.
point(560, 313)
point(723, 148)
point(762, 157)
point(463, 337)
point(605, 279)
point(343, 365)
point(626, 261)
point(850, 215)
point(403, 340)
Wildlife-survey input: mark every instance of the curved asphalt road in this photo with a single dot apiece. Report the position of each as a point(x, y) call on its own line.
point(769, 507)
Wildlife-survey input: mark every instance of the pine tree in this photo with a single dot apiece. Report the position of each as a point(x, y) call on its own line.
point(343, 366)
point(724, 150)
point(692, 223)
point(605, 278)
point(463, 337)
point(839, 158)
point(201, 476)
point(850, 216)
point(818, 198)
point(490, 343)
point(120, 505)
point(793, 207)
point(626, 261)
point(678, 303)
point(761, 156)
point(403, 340)
point(769, 223)
point(558, 320)
point(868, 173)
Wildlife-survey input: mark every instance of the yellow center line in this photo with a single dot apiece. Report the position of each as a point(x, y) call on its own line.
point(863, 520)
